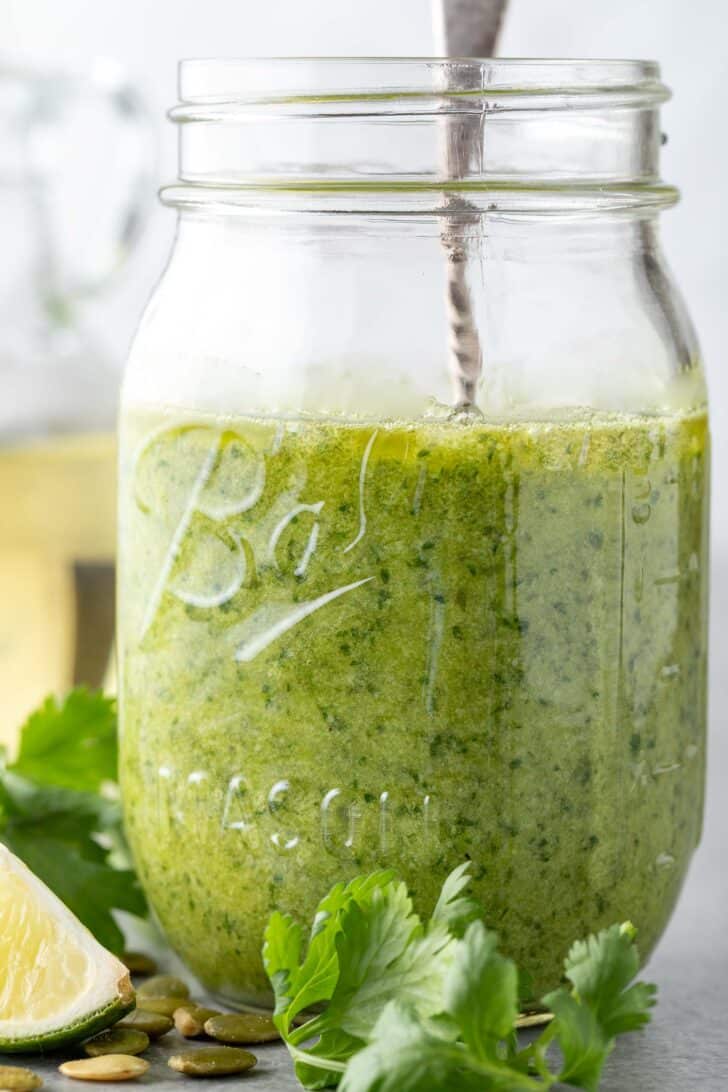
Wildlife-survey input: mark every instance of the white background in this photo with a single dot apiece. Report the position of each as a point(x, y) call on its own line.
point(690, 39)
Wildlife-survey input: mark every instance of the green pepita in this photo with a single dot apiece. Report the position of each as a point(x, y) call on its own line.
point(13, 1078)
point(108, 1067)
point(212, 1061)
point(153, 1024)
point(163, 985)
point(139, 963)
point(190, 1020)
point(163, 1006)
point(117, 1041)
point(242, 1027)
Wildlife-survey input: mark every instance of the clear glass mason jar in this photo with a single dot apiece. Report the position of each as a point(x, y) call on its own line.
point(414, 507)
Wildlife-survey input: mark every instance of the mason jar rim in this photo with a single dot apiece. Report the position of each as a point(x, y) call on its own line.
point(511, 82)
point(399, 134)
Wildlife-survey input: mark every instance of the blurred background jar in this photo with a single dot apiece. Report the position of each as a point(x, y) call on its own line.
point(58, 386)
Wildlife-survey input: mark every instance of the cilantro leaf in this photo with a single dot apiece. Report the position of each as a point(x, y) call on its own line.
point(320, 970)
point(405, 1055)
point(314, 1066)
point(367, 946)
point(631, 1010)
point(455, 909)
point(408, 1006)
point(74, 816)
point(71, 744)
point(582, 1042)
point(481, 992)
point(601, 1005)
point(300, 985)
point(384, 955)
point(601, 969)
point(525, 989)
point(281, 955)
point(59, 835)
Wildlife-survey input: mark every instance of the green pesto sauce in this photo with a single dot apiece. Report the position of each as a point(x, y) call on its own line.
point(348, 645)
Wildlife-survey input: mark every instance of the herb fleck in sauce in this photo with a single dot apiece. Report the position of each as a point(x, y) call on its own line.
point(347, 645)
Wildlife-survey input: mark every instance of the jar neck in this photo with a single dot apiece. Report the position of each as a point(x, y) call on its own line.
point(407, 135)
point(568, 313)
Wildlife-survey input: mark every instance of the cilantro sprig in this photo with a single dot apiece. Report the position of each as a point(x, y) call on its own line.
point(60, 812)
point(376, 1000)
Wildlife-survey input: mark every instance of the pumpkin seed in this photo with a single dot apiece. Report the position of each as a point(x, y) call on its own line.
point(117, 1041)
point(108, 1067)
point(163, 985)
point(212, 1061)
point(153, 1024)
point(13, 1078)
point(242, 1027)
point(190, 1020)
point(533, 1019)
point(139, 963)
point(163, 1006)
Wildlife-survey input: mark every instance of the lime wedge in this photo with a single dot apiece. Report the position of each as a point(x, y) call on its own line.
point(57, 984)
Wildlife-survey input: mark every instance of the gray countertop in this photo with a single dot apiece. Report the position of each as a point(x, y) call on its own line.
point(686, 1046)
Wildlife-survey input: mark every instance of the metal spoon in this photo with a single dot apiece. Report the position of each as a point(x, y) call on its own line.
point(463, 28)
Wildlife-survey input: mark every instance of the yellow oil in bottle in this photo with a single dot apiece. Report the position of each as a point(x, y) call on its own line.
point(57, 546)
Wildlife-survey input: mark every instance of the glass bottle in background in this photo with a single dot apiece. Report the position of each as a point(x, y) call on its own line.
point(58, 388)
